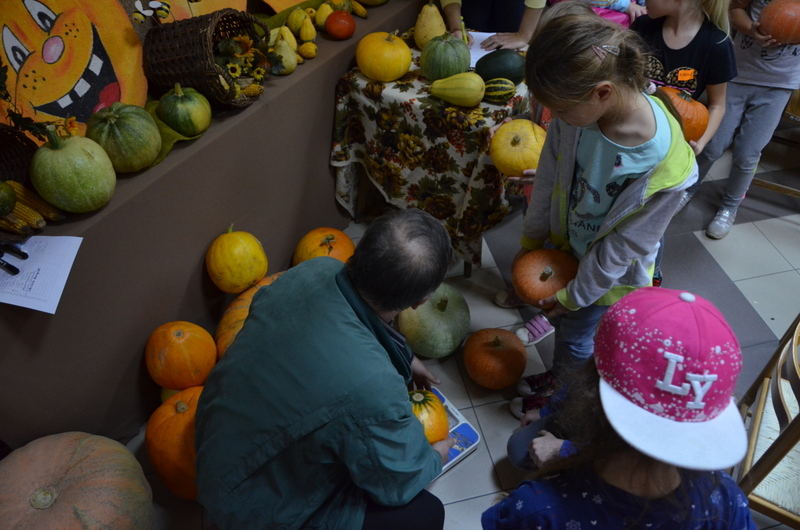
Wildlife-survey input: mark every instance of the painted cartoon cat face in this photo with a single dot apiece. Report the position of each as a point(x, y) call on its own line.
point(70, 57)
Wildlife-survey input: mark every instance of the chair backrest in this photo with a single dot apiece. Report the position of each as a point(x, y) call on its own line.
point(785, 397)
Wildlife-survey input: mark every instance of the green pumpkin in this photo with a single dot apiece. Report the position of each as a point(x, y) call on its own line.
point(73, 173)
point(8, 198)
point(128, 134)
point(436, 328)
point(185, 110)
point(444, 56)
point(505, 64)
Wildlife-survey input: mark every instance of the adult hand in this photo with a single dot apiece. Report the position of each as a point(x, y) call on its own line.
point(545, 447)
point(443, 448)
point(554, 307)
point(457, 34)
point(530, 417)
point(635, 10)
point(528, 176)
point(421, 377)
point(509, 41)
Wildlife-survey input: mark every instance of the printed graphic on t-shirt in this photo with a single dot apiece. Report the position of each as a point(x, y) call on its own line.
point(683, 77)
point(771, 53)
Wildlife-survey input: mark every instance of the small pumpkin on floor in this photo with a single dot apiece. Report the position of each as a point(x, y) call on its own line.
point(180, 355)
point(429, 409)
point(323, 242)
point(542, 273)
point(495, 358)
point(436, 328)
point(74, 480)
point(236, 260)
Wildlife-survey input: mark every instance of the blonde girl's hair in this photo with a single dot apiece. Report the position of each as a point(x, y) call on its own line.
point(717, 13)
point(573, 50)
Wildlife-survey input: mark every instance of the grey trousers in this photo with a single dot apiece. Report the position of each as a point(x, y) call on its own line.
point(751, 115)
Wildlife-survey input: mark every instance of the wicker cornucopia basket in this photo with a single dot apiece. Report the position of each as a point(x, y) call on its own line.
point(183, 52)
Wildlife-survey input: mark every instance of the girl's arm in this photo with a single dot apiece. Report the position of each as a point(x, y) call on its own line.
point(741, 22)
point(716, 110)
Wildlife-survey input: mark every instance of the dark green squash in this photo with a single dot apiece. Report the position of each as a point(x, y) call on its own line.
point(444, 56)
point(506, 64)
point(185, 110)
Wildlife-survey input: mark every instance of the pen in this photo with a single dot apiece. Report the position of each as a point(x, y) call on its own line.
point(7, 267)
point(14, 250)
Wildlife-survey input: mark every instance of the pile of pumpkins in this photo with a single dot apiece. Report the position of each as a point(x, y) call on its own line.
point(78, 174)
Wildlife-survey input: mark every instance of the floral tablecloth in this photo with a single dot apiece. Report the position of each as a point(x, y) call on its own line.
point(421, 152)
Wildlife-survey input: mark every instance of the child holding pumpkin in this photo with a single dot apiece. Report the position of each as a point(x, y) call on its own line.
point(653, 420)
point(611, 173)
point(768, 71)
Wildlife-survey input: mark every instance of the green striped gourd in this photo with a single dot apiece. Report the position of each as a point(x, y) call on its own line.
point(185, 110)
point(499, 91)
point(444, 56)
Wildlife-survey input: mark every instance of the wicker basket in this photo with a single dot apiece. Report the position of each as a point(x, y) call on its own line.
point(16, 153)
point(183, 52)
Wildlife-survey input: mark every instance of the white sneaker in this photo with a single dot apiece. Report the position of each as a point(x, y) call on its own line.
point(685, 198)
point(722, 223)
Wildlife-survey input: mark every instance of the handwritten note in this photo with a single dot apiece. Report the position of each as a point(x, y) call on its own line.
point(43, 275)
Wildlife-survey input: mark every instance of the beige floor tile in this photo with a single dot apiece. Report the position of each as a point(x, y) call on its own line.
point(498, 424)
point(784, 234)
point(745, 253)
point(452, 381)
point(479, 291)
point(466, 515)
point(768, 295)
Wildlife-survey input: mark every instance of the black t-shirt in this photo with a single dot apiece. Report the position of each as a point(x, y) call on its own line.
point(707, 60)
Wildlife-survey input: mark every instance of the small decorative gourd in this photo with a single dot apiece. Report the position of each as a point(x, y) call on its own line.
point(430, 24)
point(494, 358)
point(503, 63)
point(444, 56)
point(185, 110)
point(429, 409)
point(541, 273)
point(464, 89)
point(128, 134)
point(383, 56)
point(516, 146)
point(694, 115)
point(236, 260)
point(180, 354)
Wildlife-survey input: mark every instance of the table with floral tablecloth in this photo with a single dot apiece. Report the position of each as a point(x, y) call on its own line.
point(421, 152)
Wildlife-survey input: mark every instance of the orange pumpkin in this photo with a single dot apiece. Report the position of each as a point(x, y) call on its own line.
point(66, 480)
point(180, 354)
point(428, 408)
point(169, 439)
point(781, 20)
point(324, 242)
point(542, 273)
point(234, 316)
point(495, 358)
point(694, 114)
point(53, 47)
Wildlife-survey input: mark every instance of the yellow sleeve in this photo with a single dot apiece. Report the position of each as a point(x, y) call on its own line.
point(448, 2)
point(534, 4)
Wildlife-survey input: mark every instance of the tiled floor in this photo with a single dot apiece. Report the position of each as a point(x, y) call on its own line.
point(753, 276)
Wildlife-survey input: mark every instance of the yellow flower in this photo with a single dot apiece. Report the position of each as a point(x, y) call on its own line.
point(235, 70)
point(246, 43)
point(71, 125)
point(259, 73)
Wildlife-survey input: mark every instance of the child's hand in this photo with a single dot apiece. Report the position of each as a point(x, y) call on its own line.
point(530, 416)
point(494, 128)
point(765, 41)
point(545, 447)
point(635, 10)
point(526, 178)
point(554, 307)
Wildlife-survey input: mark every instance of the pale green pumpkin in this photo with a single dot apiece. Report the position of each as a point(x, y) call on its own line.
point(436, 328)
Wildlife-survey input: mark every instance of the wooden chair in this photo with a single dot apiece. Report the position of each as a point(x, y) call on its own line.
point(770, 472)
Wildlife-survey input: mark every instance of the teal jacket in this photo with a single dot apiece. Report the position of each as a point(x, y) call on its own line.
point(308, 412)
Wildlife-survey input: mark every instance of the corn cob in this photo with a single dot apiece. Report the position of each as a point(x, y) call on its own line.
point(358, 9)
point(30, 216)
point(11, 223)
point(31, 199)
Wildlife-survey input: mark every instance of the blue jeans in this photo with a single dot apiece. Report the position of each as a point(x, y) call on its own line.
point(575, 336)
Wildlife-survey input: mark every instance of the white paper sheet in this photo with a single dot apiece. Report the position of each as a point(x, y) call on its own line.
point(42, 276)
point(475, 51)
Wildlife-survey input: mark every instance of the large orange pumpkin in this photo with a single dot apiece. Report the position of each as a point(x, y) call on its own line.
point(694, 114)
point(428, 408)
point(542, 273)
point(324, 242)
point(169, 439)
point(234, 316)
point(74, 480)
point(494, 358)
point(781, 20)
point(180, 354)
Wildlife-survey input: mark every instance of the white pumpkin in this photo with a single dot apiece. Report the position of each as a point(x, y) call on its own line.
point(439, 326)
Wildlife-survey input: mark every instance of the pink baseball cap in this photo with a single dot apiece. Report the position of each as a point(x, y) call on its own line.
point(668, 363)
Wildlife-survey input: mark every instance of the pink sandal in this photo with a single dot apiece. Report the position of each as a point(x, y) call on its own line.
point(535, 330)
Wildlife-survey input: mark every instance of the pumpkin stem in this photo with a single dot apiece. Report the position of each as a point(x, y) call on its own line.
point(393, 34)
point(417, 397)
point(516, 140)
point(497, 342)
point(43, 498)
point(53, 137)
point(442, 305)
point(178, 90)
point(230, 229)
point(181, 407)
point(547, 273)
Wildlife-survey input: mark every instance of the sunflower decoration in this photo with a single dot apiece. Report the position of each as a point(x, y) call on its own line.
point(245, 63)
